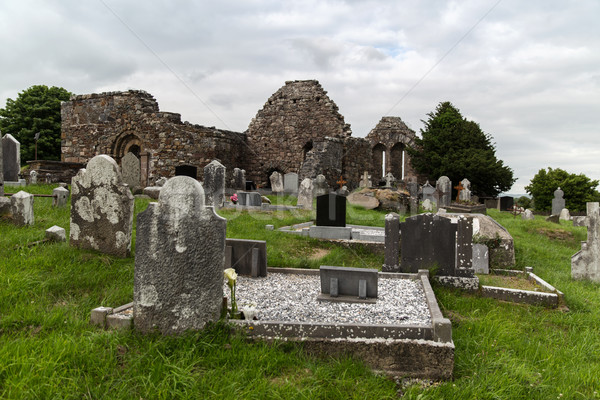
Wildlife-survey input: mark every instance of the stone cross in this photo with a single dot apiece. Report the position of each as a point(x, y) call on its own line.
point(341, 181)
point(389, 179)
point(585, 264)
point(101, 208)
point(179, 258)
point(366, 180)
point(459, 188)
point(465, 194)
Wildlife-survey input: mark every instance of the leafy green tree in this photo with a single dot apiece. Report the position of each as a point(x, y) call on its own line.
point(525, 202)
point(36, 109)
point(453, 146)
point(578, 189)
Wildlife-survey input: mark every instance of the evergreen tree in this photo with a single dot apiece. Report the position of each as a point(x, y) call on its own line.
point(36, 109)
point(453, 146)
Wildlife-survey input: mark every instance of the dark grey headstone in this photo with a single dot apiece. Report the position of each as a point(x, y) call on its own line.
point(11, 158)
point(348, 280)
point(413, 189)
point(507, 203)
point(247, 256)
point(558, 202)
point(180, 251)
point(290, 183)
point(464, 247)
point(101, 208)
point(253, 199)
point(331, 210)
point(214, 184)
point(392, 243)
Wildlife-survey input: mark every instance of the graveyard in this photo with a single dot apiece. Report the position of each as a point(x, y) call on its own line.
point(502, 349)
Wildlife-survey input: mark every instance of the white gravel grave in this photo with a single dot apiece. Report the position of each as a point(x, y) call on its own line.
point(293, 298)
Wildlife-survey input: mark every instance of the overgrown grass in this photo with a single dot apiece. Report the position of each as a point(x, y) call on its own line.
point(503, 350)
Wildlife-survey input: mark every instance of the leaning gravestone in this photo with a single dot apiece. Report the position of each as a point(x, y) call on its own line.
point(276, 182)
point(130, 167)
point(11, 158)
point(321, 186)
point(22, 208)
point(444, 187)
point(465, 194)
point(101, 208)
point(290, 183)
point(305, 194)
point(585, 264)
point(178, 279)
point(558, 202)
point(214, 184)
point(60, 197)
point(331, 210)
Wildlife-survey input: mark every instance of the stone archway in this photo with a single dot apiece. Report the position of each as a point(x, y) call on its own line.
point(396, 161)
point(128, 142)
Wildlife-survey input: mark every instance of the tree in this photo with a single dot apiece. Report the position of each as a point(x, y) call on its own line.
point(578, 189)
point(453, 146)
point(36, 109)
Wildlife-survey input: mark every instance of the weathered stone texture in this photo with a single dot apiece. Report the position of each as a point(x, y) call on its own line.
point(101, 208)
point(11, 158)
point(130, 167)
point(585, 264)
point(22, 208)
point(214, 183)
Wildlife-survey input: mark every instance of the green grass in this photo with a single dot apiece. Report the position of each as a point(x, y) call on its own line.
point(503, 351)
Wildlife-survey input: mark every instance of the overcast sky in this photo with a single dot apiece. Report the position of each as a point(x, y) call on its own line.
point(527, 72)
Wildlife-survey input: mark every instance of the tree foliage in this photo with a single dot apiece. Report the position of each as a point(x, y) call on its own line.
point(578, 189)
point(453, 146)
point(36, 109)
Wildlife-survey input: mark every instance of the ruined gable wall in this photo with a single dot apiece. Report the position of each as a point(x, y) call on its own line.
point(108, 123)
point(296, 114)
point(357, 159)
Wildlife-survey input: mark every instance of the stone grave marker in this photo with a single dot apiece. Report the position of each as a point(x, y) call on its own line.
point(276, 182)
point(507, 203)
point(527, 215)
point(101, 208)
point(391, 261)
point(239, 179)
point(179, 259)
point(253, 199)
point(56, 234)
point(357, 283)
point(22, 208)
point(585, 264)
point(321, 186)
point(365, 181)
point(1, 169)
point(444, 187)
point(413, 189)
point(11, 158)
point(60, 197)
point(305, 194)
point(214, 184)
point(481, 263)
point(558, 202)
point(427, 205)
point(33, 177)
point(389, 180)
point(465, 193)
point(290, 183)
point(428, 192)
point(565, 215)
point(130, 168)
point(331, 210)
point(247, 257)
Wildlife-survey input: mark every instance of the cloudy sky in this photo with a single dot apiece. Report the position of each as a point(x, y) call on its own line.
point(527, 72)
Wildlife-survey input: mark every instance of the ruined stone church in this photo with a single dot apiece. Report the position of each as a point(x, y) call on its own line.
point(299, 129)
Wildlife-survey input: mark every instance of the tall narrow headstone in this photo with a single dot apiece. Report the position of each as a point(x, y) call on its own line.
point(464, 244)
point(290, 183)
point(276, 182)
point(321, 186)
point(178, 279)
point(444, 186)
point(11, 158)
point(214, 184)
point(585, 264)
point(558, 202)
point(305, 194)
point(391, 261)
point(465, 194)
point(22, 208)
point(239, 179)
point(130, 167)
point(101, 208)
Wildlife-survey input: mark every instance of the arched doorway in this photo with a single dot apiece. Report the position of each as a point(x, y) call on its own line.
point(397, 161)
point(128, 142)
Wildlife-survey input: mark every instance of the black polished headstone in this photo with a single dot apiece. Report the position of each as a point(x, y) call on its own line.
point(186, 170)
point(331, 210)
point(506, 203)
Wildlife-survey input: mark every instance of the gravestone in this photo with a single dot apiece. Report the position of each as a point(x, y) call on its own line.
point(33, 177)
point(290, 183)
point(464, 246)
point(56, 234)
point(130, 168)
point(186, 170)
point(507, 203)
point(365, 180)
point(214, 184)
point(389, 180)
point(481, 263)
point(305, 194)
point(527, 215)
point(444, 187)
point(427, 205)
point(160, 182)
point(413, 189)
point(101, 208)
point(428, 192)
point(359, 283)
point(321, 186)
point(60, 197)
point(21, 204)
point(239, 179)
point(465, 194)
point(179, 258)
point(391, 261)
point(558, 202)
point(48, 177)
point(331, 210)
point(11, 158)
point(247, 257)
point(253, 199)
point(1, 169)
point(565, 215)
point(276, 182)
point(585, 264)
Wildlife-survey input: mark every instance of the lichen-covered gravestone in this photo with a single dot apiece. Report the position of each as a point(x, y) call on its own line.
point(276, 182)
point(444, 186)
point(101, 208)
point(60, 197)
point(465, 194)
point(585, 264)
point(11, 158)
point(305, 194)
point(179, 256)
point(558, 202)
point(130, 167)
point(22, 208)
point(214, 184)
point(239, 179)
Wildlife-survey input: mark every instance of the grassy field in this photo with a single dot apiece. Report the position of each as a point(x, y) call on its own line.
point(48, 350)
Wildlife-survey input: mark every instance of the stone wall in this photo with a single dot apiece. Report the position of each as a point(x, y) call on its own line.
point(357, 159)
point(115, 123)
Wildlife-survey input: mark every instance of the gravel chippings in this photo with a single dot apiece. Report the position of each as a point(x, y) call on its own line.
point(290, 297)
